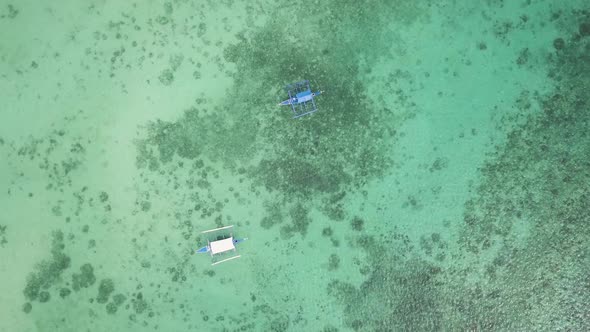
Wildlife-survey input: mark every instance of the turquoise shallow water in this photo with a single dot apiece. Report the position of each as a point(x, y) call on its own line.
point(441, 186)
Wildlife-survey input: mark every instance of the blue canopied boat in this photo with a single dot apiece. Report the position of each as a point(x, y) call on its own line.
point(221, 244)
point(301, 99)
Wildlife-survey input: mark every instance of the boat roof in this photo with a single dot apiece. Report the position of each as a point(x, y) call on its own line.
point(303, 94)
point(222, 245)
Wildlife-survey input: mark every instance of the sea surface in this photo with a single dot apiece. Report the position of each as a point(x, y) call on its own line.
point(442, 185)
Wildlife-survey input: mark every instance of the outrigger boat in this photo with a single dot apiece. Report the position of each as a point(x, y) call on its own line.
point(301, 99)
point(220, 242)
